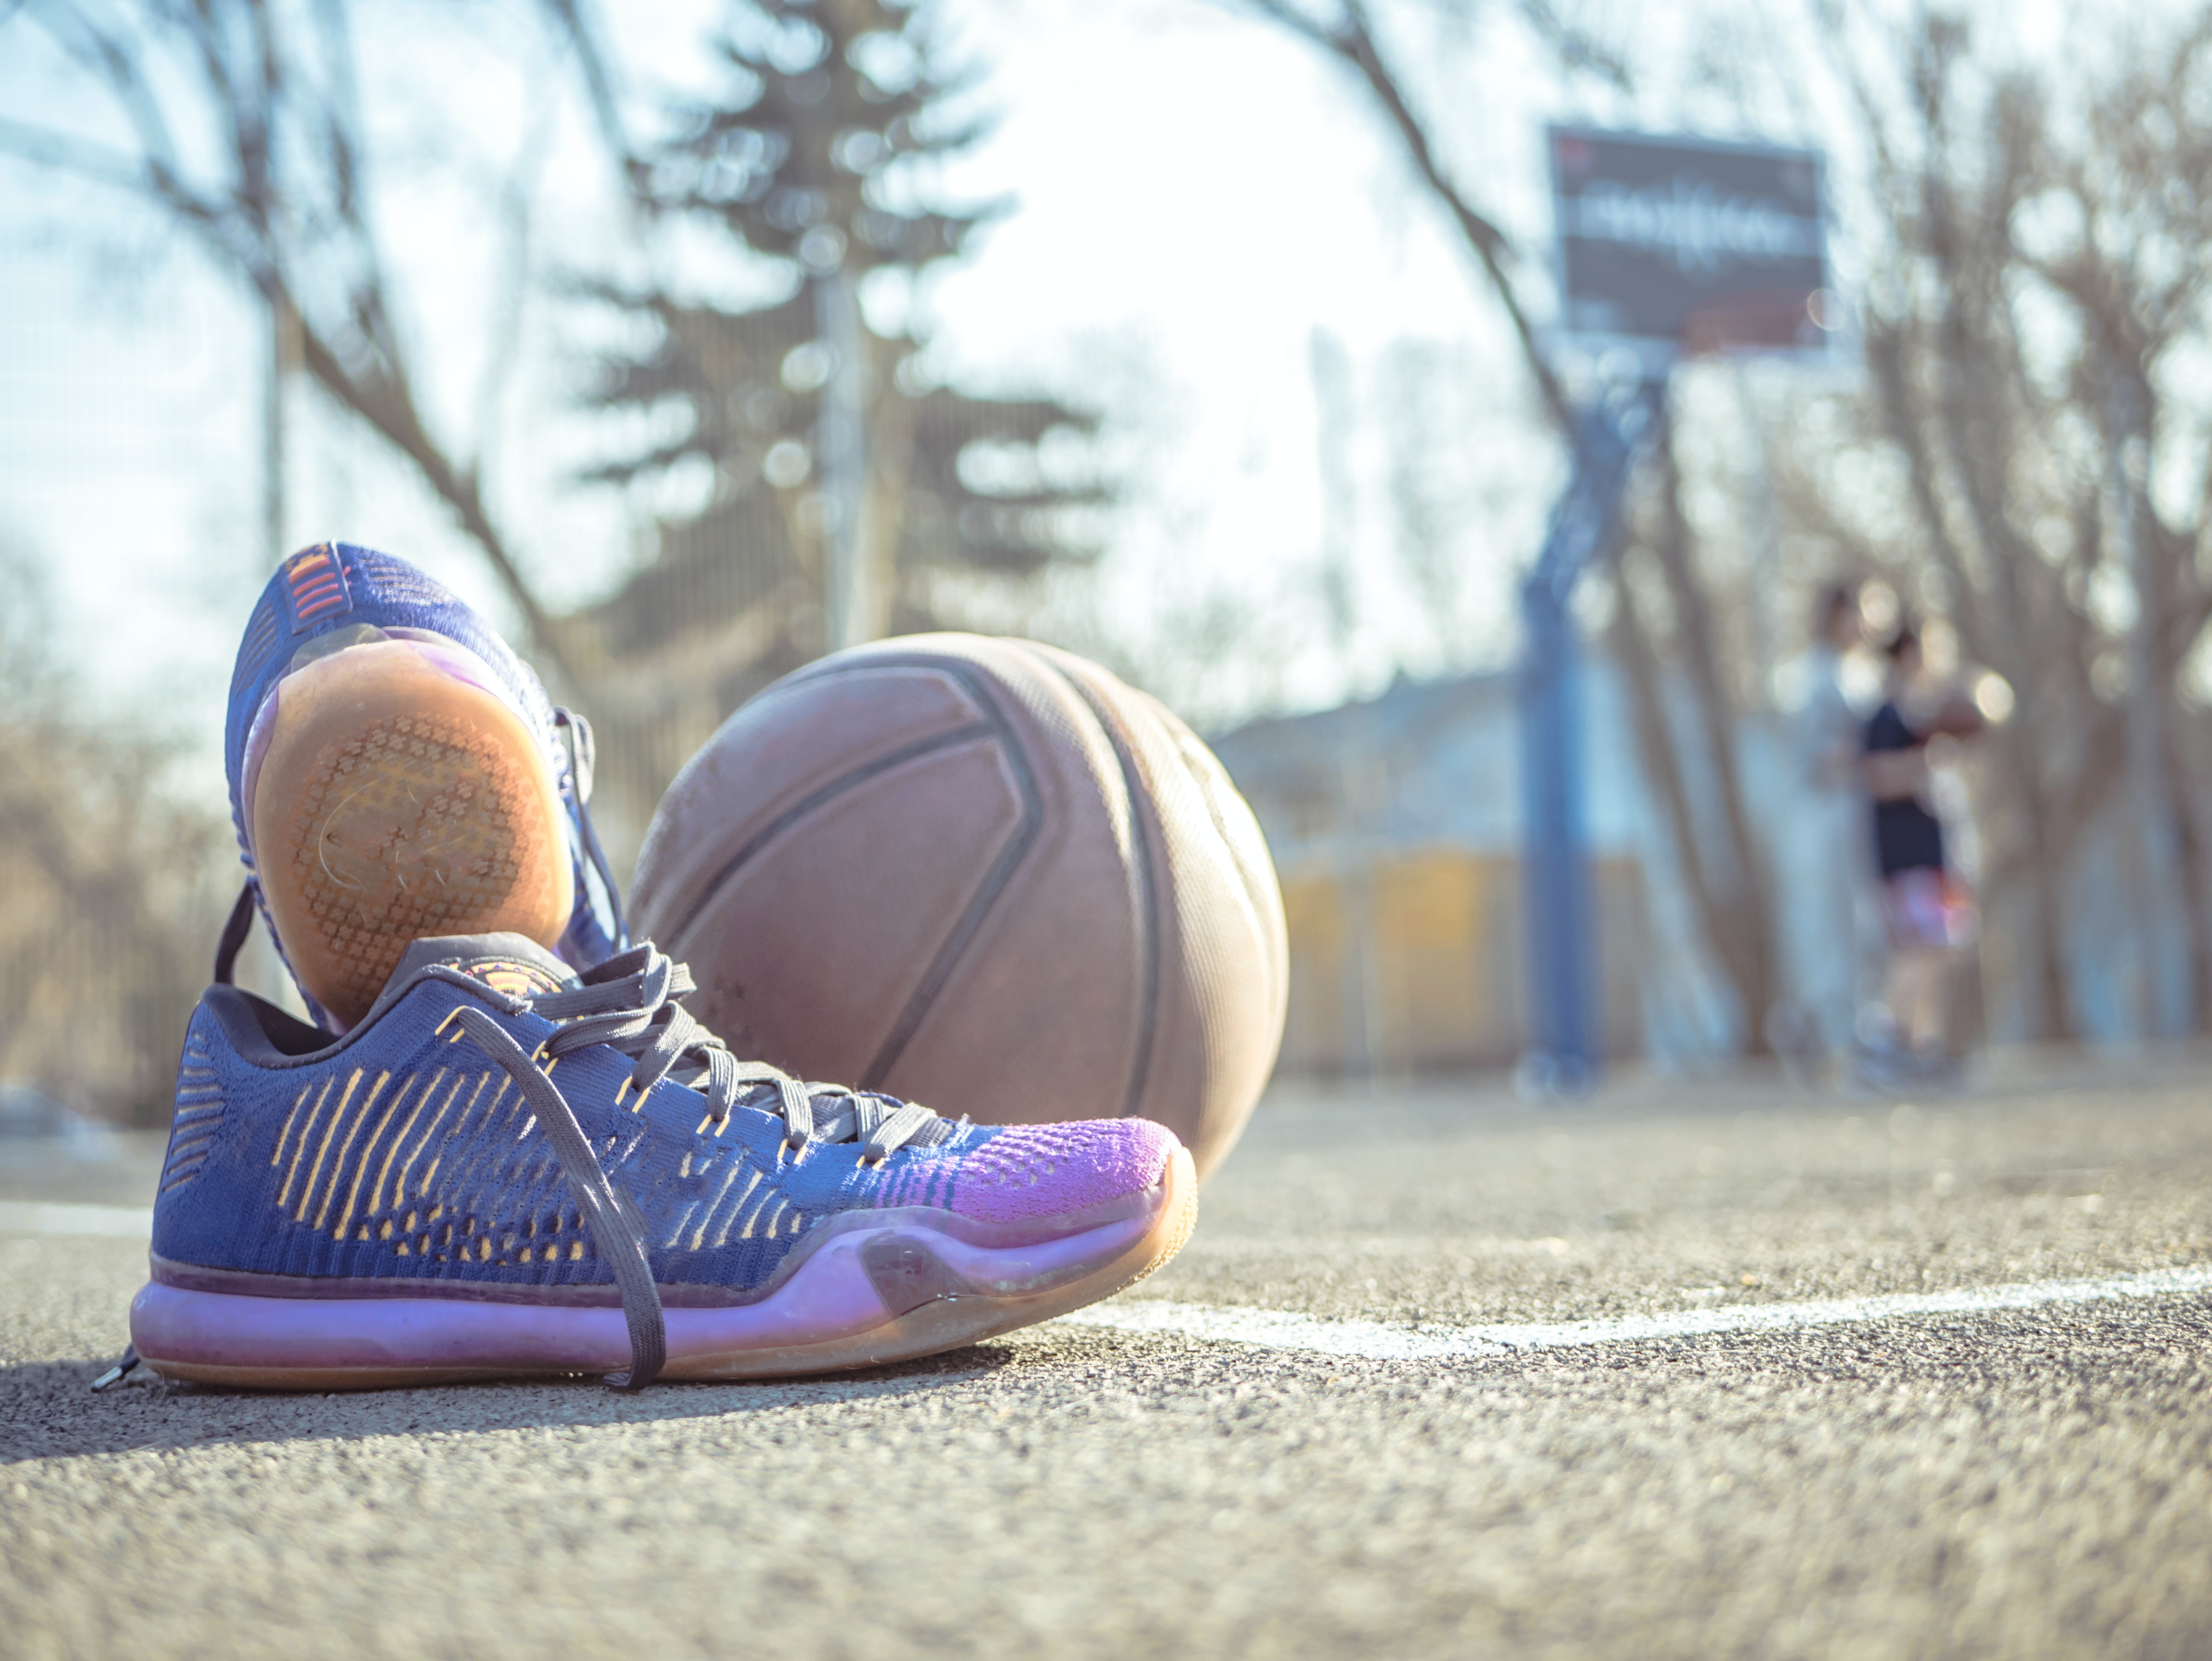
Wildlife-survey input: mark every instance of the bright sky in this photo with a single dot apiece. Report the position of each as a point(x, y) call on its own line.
point(1197, 197)
point(1206, 208)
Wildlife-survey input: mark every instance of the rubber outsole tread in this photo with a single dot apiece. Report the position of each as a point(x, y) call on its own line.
point(395, 801)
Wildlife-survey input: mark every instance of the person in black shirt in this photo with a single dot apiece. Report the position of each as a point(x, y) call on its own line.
point(1928, 913)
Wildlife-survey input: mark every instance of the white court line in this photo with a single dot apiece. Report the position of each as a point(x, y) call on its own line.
point(1382, 1340)
point(121, 1222)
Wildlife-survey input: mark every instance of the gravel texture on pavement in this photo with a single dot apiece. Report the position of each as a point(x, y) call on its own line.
point(2024, 1482)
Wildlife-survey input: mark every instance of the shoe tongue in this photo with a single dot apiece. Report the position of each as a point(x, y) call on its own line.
point(512, 964)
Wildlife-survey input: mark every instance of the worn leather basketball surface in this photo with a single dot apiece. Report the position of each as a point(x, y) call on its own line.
point(981, 874)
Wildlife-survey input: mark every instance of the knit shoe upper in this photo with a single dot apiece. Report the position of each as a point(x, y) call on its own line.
point(569, 1174)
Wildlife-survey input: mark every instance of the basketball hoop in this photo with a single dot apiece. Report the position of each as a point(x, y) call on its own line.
point(1667, 248)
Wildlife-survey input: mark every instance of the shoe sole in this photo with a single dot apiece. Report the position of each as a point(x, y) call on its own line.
point(867, 1296)
point(395, 801)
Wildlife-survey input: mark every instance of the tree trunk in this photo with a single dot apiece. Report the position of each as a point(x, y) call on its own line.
point(2189, 839)
point(1663, 772)
point(1746, 939)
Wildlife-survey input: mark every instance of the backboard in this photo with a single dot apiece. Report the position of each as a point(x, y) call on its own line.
point(1670, 247)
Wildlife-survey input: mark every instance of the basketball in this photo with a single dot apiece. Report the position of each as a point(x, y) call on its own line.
point(981, 874)
point(1957, 716)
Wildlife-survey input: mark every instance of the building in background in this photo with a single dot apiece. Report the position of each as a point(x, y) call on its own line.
point(1395, 827)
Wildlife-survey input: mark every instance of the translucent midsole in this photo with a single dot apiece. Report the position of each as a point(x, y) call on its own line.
point(856, 1280)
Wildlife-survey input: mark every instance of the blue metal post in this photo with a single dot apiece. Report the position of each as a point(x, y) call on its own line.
point(1565, 1030)
point(1566, 1038)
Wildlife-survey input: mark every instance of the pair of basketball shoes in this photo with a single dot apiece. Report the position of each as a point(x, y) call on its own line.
point(505, 1148)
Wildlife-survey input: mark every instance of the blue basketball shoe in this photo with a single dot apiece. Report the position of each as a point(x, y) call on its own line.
point(396, 772)
point(503, 1170)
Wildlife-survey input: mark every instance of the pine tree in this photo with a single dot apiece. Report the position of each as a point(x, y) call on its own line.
point(839, 484)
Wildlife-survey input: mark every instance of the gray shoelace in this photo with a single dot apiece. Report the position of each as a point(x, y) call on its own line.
point(583, 752)
point(629, 1003)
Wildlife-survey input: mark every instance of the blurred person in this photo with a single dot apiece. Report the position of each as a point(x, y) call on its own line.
point(1824, 841)
point(1927, 911)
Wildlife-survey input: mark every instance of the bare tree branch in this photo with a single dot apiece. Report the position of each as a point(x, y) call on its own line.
point(1352, 41)
point(1577, 47)
point(272, 227)
point(92, 162)
point(572, 18)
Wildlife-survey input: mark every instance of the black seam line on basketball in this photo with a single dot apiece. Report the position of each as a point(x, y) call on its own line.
point(843, 781)
point(1148, 891)
point(1010, 855)
point(994, 723)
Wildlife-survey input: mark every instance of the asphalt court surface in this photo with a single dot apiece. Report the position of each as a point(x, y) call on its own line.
point(1979, 1478)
